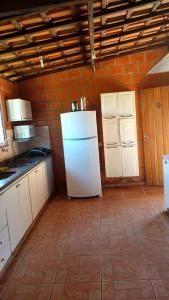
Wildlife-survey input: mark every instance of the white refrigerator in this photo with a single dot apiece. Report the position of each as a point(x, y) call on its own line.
point(80, 144)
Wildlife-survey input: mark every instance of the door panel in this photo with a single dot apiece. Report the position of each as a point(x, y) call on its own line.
point(126, 103)
point(111, 132)
point(130, 161)
point(128, 131)
point(113, 162)
point(109, 104)
point(155, 120)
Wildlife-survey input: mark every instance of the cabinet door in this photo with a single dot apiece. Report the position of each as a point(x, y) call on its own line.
point(13, 110)
point(25, 204)
point(113, 162)
point(26, 111)
point(111, 132)
point(11, 202)
point(130, 161)
point(37, 192)
point(128, 131)
point(48, 177)
point(126, 102)
point(40, 183)
point(109, 104)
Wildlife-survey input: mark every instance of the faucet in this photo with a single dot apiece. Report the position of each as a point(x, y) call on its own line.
point(4, 144)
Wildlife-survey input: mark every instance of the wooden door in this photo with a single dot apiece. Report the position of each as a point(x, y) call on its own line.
point(155, 121)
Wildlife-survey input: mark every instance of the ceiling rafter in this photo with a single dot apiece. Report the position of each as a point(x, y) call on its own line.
point(54, 38)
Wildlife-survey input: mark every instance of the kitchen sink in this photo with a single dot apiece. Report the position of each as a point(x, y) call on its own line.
point(4, 175)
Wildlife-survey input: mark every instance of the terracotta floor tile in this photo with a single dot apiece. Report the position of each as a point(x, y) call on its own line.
point(161, 288)
point(77, 291)
point(6, 278)
point(123, 268)
point(158, 271)
point(28, 292)
point(110, 245)
point(79, 229)
point(53, 231)
point(35, 269)
point(47, 247)
point(128, 290)
point(79, 269)
point(77, 246)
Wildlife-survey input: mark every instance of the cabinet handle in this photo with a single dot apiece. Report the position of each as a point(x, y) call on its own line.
point(1, 242)
point(18, 185)
point(2, 259)
point(36, 171)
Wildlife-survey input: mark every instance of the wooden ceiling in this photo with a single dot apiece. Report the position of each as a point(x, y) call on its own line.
point(68, 34)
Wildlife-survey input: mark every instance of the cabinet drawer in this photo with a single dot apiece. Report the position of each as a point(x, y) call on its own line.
point(4, 237)
point(4, 255)
point(3, 219)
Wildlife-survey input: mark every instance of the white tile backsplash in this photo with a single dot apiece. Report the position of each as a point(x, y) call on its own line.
point(40, 140)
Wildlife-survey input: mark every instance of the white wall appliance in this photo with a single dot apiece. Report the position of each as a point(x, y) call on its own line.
point(18, 110)
point(166, 181)
point(80, 142)
point(24, 131)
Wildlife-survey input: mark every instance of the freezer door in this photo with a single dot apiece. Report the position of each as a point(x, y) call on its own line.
point(82, 168)
point(79, 124)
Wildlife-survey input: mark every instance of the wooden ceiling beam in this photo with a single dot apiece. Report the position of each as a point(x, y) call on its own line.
point(20, 7)
point(91, 33)
point(102, 28)
point(74, 21)
point(103, 58)
point(105, 39)
point(103, 47)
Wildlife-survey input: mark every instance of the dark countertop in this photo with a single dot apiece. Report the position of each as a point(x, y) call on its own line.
point(25, 164)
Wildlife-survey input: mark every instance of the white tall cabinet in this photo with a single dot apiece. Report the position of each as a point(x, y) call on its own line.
point(120, 134)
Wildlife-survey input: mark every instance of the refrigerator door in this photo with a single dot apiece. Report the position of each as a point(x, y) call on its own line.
point(79, 124)
point(82, 167)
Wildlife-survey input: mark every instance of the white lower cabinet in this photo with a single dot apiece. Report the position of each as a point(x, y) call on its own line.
point(24, 203)
point(20, 204)
point(37, 190)
point(48, 177)
point(11, 201)
point(113, 161)
point(4, 255)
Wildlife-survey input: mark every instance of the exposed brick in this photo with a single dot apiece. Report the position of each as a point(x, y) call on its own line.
point(137, 57)
point(116, 69)
point(122, 60)
point(131, 68)
point(144, 67)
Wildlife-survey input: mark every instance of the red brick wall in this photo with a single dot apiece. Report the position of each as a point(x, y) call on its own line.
point(53, 94)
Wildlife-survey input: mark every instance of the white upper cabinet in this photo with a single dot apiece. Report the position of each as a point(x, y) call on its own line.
point(130, 161)
point(109, 104)
point(111, 132)
point(126, 101)
point(113, 164)
point(18, 110)
point(128, 131)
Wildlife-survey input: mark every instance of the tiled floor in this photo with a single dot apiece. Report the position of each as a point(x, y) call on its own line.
point(112, 248)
